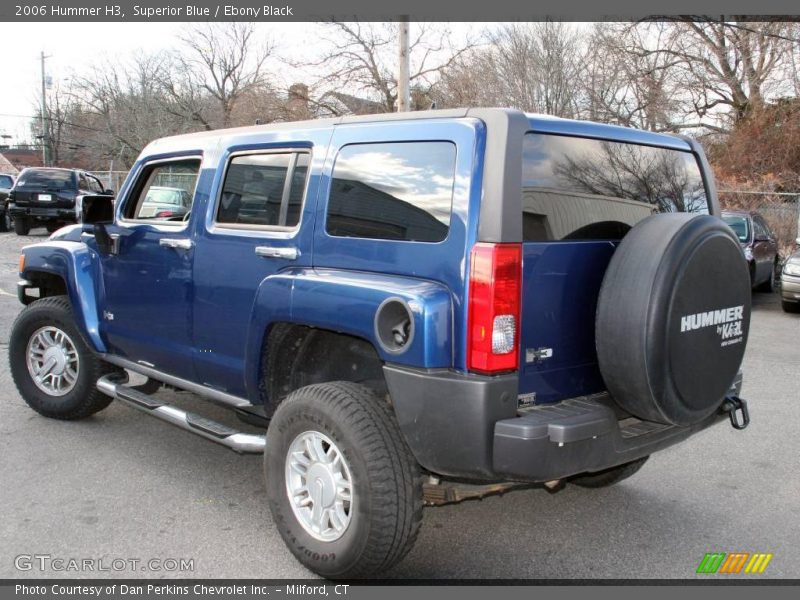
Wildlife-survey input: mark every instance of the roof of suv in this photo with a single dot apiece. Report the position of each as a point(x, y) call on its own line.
point(539, 122)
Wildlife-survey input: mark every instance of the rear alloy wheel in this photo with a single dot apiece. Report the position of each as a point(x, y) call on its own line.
point(344, 489)
point(22, 226)
point(53, 368)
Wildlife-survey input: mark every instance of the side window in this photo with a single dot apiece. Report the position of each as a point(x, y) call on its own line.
point(765, 230)
point(83, 184)
point(393, 191)
point(758, 228)
point(264, 190)
point(164, 191)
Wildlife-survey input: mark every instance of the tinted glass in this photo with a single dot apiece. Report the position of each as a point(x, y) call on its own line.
point(50, 179)
point(578, 188)
point(740, 226)
point(6, 181)
point(393, 191)
point(165, 191)
point(254, 189)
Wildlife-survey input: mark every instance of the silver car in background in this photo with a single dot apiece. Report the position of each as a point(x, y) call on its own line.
point(790, 283)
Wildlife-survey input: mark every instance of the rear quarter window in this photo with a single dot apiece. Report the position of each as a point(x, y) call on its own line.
point(393, 191)
point(580, 188)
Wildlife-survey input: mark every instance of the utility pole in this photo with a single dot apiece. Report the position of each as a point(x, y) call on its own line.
point(45, 121)
point(403, 92)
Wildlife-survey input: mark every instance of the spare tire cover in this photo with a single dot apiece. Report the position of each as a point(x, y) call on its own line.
point(673, 316)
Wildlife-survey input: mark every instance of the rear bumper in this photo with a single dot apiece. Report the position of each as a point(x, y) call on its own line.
point(43, 212)
point(468, 426)
point(790, 288)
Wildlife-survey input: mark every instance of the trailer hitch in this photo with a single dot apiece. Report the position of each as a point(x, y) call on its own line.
point(734, 405)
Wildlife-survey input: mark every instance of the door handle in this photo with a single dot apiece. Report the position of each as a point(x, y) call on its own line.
point(177, 243)
point(271, 252)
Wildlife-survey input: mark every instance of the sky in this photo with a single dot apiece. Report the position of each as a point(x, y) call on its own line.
point(73, 46)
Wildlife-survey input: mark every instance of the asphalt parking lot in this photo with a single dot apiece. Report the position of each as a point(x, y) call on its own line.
point(121, 485)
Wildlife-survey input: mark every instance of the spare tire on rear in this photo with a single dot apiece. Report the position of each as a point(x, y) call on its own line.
point(673, 316)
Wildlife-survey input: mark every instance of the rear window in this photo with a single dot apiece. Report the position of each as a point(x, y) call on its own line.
point(740, 226)
point(393, 191)
point(6, 181)
point(51, 179)
point(579, 188)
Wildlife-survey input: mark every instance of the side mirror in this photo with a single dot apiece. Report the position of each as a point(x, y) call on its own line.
point(105, 244)
point(97, 209)
point(108, 191)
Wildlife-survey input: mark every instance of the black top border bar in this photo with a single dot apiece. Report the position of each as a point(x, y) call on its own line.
point(369, 10)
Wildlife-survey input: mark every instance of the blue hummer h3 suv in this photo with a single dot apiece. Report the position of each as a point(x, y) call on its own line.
point(417, 308)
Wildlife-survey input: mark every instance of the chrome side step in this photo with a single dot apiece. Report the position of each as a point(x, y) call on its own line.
point(113, 385)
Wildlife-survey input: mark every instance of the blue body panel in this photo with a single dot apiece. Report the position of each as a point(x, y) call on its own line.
point(561, 282)
point(229, 276)
point(77, 265)
point(446, 262)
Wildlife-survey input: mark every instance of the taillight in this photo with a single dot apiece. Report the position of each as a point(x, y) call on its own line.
point(494, 307)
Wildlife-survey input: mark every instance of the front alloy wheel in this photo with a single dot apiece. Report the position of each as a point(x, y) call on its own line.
point(53, 361)
point(54, 369)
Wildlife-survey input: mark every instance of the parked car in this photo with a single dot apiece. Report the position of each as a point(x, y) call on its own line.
point(50, 197)
point(760, 247)
point(417, 310)
point(6, 183)
point(790, 283)
point(165, 203)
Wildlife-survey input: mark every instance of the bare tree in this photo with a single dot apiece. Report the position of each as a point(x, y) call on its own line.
point(534, 67)
point(221, 62)
point(121, 106)
point(359, 60)
point(634, 88)
point(727, 69)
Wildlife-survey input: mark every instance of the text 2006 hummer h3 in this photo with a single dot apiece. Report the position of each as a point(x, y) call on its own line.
point(417, 308)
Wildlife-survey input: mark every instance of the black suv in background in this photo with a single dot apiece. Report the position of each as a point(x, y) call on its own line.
point(47, 196)
point(6, 183)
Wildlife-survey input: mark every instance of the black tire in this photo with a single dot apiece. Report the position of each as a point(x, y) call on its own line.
point(5, 221)
point(53, 226)
point(790, 307)
point(609, 476)
point(84, 398)
point(22, 226)
point(386, 482)
point(673, 316)
point(771, 284)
